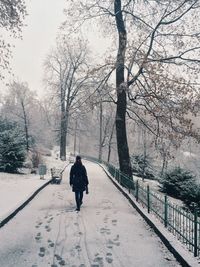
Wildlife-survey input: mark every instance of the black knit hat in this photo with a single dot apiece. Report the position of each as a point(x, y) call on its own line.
point(78, 158)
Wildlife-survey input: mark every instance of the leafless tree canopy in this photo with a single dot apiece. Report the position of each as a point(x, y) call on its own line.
point(12, 14)
point(157, 62)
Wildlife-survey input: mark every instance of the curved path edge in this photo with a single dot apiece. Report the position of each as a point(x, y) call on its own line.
point(12, 214)
point(180, 253)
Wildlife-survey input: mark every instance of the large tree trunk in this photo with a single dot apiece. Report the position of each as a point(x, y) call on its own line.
point(122, 144)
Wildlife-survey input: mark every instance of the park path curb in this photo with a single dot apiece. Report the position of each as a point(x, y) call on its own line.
point(12, 214)
point(180, 253)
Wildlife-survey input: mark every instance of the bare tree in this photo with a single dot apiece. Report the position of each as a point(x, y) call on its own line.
point(66, 73)
point(105, 128)
point(12, 14)
point(158, 48)
point(17, 106)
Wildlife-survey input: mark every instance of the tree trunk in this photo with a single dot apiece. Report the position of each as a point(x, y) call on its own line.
point(25, 126)
point(110, 143)
point(75, 136)
point(164, 164)
point(100, 130)
point(122, 144)
point(63, 131)
point(63, 138)
point(144, 153)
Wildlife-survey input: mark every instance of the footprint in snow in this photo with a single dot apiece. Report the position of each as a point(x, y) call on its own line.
point(51, 244)
point(38, 224)
point(114, 222)
point(48, 229)
point(109, 258)
point(50, 220)
point(105, 231)
point(116, 238)
point(60, 260)
point(110, 242)
point(42, 252)
point(106, 218)
point(78, 248)
point(99, 260)
point(62, 263)
point(38, 237)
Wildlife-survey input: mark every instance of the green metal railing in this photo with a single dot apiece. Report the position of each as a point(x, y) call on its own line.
point(182, 224)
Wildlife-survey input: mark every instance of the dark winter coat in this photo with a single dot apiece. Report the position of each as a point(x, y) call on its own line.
point(78, 177)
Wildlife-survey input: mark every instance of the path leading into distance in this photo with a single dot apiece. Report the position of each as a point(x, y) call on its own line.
point(107, 232)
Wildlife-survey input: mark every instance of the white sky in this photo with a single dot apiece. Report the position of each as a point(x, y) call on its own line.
point(43, 21)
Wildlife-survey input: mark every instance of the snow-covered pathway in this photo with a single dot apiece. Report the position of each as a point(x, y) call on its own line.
point(106, 232)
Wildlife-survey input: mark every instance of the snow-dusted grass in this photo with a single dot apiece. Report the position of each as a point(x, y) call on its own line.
point(156, 187)
point(16, 188)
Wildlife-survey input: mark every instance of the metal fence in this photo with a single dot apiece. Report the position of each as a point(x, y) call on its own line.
point(182, 224)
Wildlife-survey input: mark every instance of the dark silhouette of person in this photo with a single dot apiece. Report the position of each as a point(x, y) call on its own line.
point(78, 181)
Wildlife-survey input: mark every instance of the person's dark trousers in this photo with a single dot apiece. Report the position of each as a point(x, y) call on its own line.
point(79, 199)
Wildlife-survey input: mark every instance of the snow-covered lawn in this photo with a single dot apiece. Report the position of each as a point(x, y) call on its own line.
point(155, 186)
point(16, 188)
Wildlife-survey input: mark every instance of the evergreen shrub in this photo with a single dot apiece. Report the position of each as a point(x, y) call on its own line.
point(12, 147)
point(181, 184)
point(142, 166)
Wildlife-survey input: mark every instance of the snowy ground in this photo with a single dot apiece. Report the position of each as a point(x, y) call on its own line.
point(16, 188)
point(155, 186)
point(106, 232)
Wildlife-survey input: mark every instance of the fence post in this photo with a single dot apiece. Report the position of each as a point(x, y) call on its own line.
point(166, 212)
point(129, 183)
point(148, 199)
point(120, 178)
point(195, 234)
point(136, 190)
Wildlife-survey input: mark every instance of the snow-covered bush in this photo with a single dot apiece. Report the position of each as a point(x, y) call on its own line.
point(12, 147)
point(142, 166)
point(182, 184)
point(191, 197)
point(177, 181)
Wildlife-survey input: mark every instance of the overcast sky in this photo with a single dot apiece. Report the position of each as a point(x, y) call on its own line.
point(43, 21)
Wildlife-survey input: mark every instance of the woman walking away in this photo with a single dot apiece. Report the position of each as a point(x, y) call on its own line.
point(78, 181)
